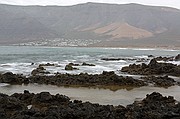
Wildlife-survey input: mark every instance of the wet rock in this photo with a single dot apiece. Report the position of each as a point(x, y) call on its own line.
point(73, 64)
point(11, 78)
point(25, 98)
point(153, 68)
point(160, 81)
point(160, 58)
point(9, 106)
point(86, 64)
point(108, 73)
point(150, 56)
point(42, 97)
point(177, 58)
point(40, 70)
point(153, 64)
point(84, 79)
point(47, 106)
point(70, 67)
point(154, 106)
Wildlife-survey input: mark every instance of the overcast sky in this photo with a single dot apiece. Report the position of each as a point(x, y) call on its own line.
point(170, 3)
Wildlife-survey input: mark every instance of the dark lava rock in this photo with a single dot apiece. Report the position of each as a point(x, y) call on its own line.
point(56, 107)
point(177, 58)
point(153, 68)
point(154, 106)
point(44, 99)
point(70, 67)
point(40, 70)
point(160, 58)
point(86, 64)
point(84, 79)
point(73, 64)
point(47, 106)
point(11, 78)
point(9, 106)
point(150, 55)
point(160, 81)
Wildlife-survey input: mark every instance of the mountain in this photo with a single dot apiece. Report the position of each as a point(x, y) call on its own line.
point(112, 24)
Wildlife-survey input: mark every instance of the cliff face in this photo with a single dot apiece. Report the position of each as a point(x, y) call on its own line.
point(116, 25)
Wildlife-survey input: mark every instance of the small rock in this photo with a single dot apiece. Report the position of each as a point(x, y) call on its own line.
point(70, 67)
point(177, 58)
point(86, 64)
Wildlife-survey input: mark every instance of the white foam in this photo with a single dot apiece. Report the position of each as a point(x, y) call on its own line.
point(83, 56)
point(174, 62)
point(142, 56)
point(3, 84)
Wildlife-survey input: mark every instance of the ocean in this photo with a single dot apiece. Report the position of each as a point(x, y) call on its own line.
point(19, 59)
point(23, 59)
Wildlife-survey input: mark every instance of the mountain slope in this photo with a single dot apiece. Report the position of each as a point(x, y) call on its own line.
point(128, 25)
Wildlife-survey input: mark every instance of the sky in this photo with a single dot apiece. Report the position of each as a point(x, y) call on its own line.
point(169, 3)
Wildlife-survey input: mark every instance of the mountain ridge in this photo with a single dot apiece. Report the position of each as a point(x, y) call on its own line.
point(105, 22)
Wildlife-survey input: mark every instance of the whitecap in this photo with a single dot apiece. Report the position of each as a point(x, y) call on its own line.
point(142, 56)
point(174, 62)
point(3, 84)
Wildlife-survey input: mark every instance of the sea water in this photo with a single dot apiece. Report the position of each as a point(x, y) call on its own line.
point(19, 59)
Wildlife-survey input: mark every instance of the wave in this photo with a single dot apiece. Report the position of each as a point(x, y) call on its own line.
point(3, 84)
point(142, 56)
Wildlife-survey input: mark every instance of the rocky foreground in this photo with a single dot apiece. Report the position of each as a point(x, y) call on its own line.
point(46, 106)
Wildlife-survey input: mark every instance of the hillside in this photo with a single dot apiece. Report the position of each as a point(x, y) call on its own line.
point(111, 24)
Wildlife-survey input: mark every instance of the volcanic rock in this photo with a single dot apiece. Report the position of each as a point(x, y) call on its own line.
point(70, 67)
point(160, 81)
point(153, 68)
point(86, 64)
point(40, 70)
point(177, 58)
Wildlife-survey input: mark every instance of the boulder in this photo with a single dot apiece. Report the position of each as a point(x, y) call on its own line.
point(11, 78)
point(154, 106)
point(40, 70)
point(177, 58)
point(70, 67)
point(86, 64)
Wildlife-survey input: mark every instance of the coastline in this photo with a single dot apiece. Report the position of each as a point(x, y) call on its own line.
point(102, 47)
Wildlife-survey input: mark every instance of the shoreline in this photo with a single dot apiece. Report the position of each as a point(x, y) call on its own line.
point(108, 47)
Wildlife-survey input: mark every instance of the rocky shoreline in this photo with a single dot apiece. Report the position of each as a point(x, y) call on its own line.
point(153, 68)
point(46, 106)
point(82, 79)
point(106, 79)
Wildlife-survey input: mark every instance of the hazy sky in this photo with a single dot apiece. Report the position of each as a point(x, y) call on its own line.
point(170, 3)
